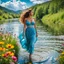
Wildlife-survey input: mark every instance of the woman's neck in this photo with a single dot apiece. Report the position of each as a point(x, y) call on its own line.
point(30, 17)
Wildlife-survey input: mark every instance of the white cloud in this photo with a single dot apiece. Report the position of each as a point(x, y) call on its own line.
point(38, 1)
point(15, 5)
point(14, 0)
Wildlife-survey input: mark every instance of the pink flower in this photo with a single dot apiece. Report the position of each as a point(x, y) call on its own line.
point(12, 63)
point(63, 44)
point(14, 58)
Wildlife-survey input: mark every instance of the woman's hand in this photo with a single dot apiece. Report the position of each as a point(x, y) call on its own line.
point(24, 28)
point(36, 36)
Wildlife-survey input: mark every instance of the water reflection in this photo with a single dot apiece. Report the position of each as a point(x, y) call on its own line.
point(14, 28)
point(44, 37)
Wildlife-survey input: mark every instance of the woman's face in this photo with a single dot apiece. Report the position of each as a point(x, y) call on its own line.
point(31, 13)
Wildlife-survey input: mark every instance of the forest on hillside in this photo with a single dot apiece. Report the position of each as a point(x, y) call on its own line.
point(7, 14)
point(51, 14)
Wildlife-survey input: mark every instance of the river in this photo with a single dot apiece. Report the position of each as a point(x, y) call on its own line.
point(46, 47)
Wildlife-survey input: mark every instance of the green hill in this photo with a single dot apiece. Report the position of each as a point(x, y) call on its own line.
point(7, 14)
point(51, 15)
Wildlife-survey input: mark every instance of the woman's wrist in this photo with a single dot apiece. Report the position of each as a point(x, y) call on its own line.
point(23, 32)
point(36, 32)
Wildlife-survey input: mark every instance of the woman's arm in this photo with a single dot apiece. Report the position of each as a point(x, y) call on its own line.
point(24, 28)
point(36, 30)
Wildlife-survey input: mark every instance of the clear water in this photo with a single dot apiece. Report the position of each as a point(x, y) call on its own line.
point(46, 46)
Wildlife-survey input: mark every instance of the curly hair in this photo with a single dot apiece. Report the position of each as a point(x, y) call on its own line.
point(25, 14)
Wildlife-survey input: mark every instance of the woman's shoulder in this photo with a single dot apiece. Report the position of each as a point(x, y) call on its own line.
point(25, 19)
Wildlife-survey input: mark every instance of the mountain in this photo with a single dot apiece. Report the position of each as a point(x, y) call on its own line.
point(7, 10)
point(18, 12)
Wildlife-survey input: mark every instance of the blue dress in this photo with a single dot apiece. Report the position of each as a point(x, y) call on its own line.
point(30, 37)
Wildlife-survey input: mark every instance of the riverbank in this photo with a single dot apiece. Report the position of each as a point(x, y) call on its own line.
point(8, 20)
point(7, 14)
point(54, 22)
point(51, 15)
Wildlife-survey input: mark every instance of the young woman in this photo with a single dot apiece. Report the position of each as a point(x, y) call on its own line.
point(30, 31)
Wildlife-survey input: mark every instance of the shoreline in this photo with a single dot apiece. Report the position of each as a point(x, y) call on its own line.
point(7, 20)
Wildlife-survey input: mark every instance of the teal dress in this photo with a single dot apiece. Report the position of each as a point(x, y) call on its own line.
point(30, 37)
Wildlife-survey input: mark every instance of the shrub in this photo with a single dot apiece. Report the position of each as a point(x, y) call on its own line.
point(8, 49)
point(55, 22)
point(61, 58)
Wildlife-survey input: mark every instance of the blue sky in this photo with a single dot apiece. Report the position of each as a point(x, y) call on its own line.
point(19, 4)
point(29, 3)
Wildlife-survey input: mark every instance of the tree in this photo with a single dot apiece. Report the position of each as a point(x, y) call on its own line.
point(39, 13)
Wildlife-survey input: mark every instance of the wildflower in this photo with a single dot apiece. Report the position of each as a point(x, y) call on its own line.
point(0, 48)
point(4, 55)
point(9, 46)
point(14, 58)
point(12, 63)
point(62, 53)
point(1, 43)
point(63, 44)
point(3, 49)
point(12, 46)
point(10, 53)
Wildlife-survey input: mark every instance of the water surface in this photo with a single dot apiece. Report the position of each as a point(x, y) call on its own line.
point(46, 46)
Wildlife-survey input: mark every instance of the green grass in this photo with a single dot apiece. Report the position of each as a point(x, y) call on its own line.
point(55, 22)
point(51, 14)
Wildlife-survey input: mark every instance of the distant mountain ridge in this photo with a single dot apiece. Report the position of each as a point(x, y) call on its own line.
point(8, 14)
point(7, 10)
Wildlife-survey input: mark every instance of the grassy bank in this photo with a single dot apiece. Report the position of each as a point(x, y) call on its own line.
point(5, 16)
point(51, 15)
point(8, 20)
point(55, 22)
